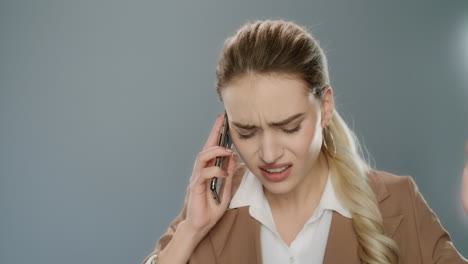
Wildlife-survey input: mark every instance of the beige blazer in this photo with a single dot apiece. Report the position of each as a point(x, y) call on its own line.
point(407, 219)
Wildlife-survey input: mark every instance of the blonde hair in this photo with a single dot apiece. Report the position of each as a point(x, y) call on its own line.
point(277, 46)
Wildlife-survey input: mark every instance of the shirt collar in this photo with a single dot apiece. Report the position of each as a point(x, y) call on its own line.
point(250, 193)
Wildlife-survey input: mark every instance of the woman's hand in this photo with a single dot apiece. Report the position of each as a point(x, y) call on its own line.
point(464, 190)
point(202, 209)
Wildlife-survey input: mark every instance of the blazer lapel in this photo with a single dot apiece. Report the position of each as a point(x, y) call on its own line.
point(342, 244)
point(253, 226)
point(392, 217)
point(236, 238)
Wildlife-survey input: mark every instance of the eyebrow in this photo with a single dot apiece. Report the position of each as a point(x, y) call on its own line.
point(275, 124)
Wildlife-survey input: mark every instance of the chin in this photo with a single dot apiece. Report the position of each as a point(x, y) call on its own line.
point(279, 188)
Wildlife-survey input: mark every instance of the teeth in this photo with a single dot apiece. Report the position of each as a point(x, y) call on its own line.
point(276, 170)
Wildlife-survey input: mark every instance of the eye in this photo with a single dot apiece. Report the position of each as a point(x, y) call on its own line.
point(290, 131)
point(245, 136)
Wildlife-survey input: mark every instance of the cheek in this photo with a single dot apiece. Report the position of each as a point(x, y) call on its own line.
point(310, 140)
point(242, 148)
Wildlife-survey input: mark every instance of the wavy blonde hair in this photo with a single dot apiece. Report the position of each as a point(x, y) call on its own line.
point(278, 46)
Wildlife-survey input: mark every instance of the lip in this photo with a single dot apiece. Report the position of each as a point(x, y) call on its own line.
point(275, 166)
point(277, 177)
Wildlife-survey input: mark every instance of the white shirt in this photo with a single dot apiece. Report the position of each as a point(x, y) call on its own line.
point(309, 244)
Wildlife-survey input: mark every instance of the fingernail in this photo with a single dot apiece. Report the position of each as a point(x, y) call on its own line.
point(229, 150)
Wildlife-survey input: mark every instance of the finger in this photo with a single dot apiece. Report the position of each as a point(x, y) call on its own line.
point(224, 168)
point(227, 188)
point(214, 135)
point(212, 162)
point(204, 159)
point(204, 177)
point(195, 163)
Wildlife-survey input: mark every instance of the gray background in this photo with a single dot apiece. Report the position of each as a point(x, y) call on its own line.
point(105, 104)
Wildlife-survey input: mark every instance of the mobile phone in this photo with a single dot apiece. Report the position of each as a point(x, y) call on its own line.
point(224, 140)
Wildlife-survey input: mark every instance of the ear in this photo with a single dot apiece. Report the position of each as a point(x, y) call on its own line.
point(327, 106)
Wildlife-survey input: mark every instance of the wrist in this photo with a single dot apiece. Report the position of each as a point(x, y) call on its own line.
point(182, 244)
point(192, 232)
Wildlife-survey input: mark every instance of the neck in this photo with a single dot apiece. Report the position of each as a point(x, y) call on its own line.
point(305, 194)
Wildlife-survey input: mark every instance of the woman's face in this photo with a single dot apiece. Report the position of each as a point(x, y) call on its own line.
point(260, 100)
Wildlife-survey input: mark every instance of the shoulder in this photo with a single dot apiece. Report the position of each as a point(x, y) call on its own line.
point(418, 228)
point(382, 181)
point(399, 195)
point(398, 187)
point(387, 178)
point(393, 192)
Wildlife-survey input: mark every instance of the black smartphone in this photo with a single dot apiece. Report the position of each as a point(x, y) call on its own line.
point(224, 140)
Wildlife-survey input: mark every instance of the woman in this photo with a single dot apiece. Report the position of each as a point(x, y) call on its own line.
point(327, 205)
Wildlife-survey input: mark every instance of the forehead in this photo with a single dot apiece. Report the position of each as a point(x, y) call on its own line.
point(270, 98)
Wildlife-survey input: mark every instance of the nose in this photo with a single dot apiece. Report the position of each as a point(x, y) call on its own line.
point(270, 149)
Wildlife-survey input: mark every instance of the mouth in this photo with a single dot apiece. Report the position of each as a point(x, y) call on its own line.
point(277, 169)
point(276, 174)
point(275, 166)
